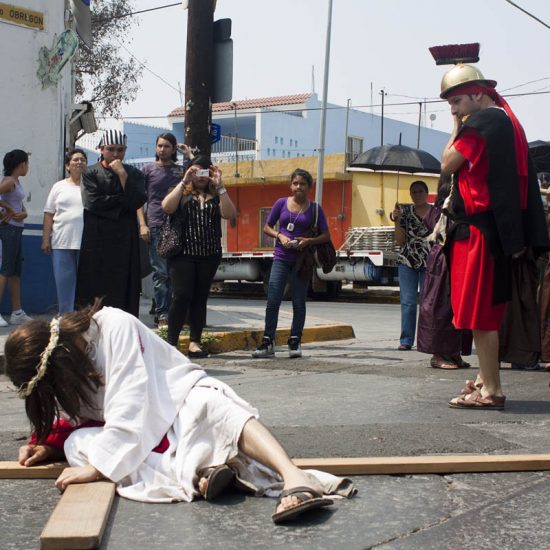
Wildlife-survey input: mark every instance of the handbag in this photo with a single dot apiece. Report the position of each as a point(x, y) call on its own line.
point(324, 254)
point(170, 242)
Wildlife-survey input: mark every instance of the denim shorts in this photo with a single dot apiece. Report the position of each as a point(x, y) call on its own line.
point(10, 235)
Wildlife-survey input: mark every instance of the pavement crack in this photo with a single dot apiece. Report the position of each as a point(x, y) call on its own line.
point(456, 498)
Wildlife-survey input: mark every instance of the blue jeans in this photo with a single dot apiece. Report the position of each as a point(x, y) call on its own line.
point(410, 280)
point(65, 269)
point(281, 272)
point(161, 281)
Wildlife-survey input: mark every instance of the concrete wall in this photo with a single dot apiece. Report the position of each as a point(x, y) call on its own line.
point(33, 119)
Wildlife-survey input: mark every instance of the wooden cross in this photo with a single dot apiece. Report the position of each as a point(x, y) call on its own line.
point(79, 519)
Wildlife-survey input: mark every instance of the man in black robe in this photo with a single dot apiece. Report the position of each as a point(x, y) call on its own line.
point(109, 264)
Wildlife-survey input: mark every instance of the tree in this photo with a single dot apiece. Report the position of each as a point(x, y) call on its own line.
point(103, 74)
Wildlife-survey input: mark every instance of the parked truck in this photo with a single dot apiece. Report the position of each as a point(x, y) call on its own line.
point(367, 257)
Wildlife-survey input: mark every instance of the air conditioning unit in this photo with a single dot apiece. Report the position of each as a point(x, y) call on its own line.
point(82, 120)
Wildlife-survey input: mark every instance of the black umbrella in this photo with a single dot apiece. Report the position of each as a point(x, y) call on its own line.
point(398, 158)
point(540, 154)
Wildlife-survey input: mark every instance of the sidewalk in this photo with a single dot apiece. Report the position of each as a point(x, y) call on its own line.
point(232, 327)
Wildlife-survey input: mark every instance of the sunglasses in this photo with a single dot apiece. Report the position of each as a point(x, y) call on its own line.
point(115, 149)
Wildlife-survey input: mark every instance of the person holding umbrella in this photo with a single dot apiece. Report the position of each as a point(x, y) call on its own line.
point(410, 234)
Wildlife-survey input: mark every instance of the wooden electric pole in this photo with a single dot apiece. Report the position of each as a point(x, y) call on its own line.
point(198, 75)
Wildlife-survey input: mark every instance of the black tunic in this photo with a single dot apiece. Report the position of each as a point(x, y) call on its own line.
point(109, 264)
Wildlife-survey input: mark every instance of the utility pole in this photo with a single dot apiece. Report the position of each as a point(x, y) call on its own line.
point(419, 124)
point(198, 75)
point(383, 94)
point(321, 159)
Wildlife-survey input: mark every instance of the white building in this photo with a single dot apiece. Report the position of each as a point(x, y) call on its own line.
point(288, 126)
point(34, 114)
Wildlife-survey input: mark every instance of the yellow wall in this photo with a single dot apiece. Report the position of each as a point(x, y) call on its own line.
point(372, 190)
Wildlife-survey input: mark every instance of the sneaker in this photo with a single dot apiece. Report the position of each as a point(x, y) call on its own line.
point(294, 347)
point(162, 323)
point(19, 318)
point(3, 322)
point(265, 349)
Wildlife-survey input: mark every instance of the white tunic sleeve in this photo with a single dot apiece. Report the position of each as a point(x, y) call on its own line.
point(146, 383)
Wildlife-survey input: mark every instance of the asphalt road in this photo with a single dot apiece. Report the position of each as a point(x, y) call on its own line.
point(348, 398)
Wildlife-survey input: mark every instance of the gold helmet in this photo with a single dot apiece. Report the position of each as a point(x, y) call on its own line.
point(462, 74)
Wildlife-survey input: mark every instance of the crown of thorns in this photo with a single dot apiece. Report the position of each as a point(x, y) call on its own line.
point(26, 389)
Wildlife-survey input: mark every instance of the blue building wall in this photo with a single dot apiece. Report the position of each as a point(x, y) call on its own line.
point(38, 294)
point(141, 139)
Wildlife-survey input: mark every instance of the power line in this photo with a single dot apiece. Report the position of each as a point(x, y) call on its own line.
point(138, 12)
point(528, 13)
point(146, 67)
point(526, 83)
point(340, 107)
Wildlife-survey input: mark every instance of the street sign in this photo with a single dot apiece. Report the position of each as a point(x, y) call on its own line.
point(215, 133)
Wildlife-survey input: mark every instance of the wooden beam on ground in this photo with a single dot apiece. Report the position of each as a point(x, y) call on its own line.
point(440, 464)
point(79, 519)
point(437, 464)
point(14, 470)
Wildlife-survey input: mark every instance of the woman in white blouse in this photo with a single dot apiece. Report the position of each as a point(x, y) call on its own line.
point(62, 231)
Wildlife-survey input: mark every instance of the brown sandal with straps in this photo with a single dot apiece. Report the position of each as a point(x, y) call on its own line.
point(475, 400)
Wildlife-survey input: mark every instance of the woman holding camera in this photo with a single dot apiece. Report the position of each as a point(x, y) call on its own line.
point(295, 215)
point(202, 201)
point(410, 234)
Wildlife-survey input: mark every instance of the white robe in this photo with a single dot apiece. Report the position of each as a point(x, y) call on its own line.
point(151, 390)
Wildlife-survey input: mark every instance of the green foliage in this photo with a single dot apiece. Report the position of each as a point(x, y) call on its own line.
point(207, 339)
point(106, 75)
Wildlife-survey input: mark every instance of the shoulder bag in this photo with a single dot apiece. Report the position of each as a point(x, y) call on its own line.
point(170, 240)
point(324, 254)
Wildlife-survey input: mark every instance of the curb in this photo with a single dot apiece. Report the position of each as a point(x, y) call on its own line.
point(250, 339)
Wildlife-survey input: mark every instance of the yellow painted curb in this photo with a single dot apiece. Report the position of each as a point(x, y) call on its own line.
point(250, 339)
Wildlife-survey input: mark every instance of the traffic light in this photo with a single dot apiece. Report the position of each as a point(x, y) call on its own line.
point(222, 62)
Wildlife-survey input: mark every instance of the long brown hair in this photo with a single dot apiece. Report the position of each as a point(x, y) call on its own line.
point(70, 378)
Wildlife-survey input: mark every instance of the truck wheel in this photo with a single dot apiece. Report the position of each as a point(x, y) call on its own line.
point(332, 292)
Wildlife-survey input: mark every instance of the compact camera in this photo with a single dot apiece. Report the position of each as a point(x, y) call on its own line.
point(293, 243)
point(203, 173)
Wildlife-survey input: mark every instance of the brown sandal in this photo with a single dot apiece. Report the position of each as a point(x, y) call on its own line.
point(460, 363)
point(475, 400)
point(443, 364)
point(471, 387)
point(218, 479)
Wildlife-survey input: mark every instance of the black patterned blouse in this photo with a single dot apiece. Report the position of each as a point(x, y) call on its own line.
point(415, 250)
point(202, 229)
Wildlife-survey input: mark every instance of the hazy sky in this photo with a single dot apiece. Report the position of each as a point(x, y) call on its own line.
point(383, 42)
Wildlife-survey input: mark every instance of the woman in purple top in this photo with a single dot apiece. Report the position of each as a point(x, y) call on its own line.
point(295, 216)
point(16, 165)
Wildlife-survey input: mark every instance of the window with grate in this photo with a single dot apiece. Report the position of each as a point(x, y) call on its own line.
point(354, 149)
point(264, 240)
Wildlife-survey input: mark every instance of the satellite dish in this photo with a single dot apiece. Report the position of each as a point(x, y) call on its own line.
point(433, 116)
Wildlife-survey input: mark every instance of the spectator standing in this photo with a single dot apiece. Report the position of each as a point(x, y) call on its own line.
point(160, 177)
point(436, 333)
point(410, 234)
point(202, 201)
point(16, 165)
point(295, 216)
point(62, 230)
point(109, 265)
